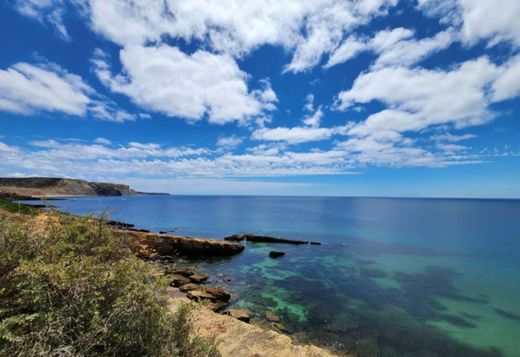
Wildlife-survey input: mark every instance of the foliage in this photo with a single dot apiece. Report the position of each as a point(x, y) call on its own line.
point(71, 287)
point(14, 207)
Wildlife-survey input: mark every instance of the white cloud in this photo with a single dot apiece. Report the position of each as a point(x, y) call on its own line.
point(235, 27)
point(25, 88)
point(394, 47)
point(229, 142)
point(492, 20)
point(45, 11)
point(418, 98)
point(28, 89)
point(166, 80)
point(507, 85)
point(453, 138)
point(349, 49)
point(102, 141)
point(314, 120)
point(294, 135)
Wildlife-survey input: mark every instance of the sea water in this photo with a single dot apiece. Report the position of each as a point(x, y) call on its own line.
point(393, 277)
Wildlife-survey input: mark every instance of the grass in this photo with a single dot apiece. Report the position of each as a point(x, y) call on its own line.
point(71, 287)
point(14, 207)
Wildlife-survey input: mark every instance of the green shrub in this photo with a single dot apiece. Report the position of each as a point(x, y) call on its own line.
point(72, 287)
point(14, 207)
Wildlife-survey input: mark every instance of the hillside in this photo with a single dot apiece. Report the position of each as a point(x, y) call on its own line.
point(52, 187)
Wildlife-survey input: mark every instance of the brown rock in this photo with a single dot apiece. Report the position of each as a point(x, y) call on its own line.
point(271, 316)
point(219, 293)
point(199, 295)
point(180, 271)
point(179, 280)
point(189, 287)
point(280, 327)
point(198, 278)
point(240, 314)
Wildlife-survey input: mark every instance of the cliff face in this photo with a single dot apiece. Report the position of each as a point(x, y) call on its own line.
point(50, 186)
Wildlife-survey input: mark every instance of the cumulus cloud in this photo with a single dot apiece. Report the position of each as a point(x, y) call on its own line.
point(491, 20)
point(233, 27)
point(166, 80)
point(418, 98)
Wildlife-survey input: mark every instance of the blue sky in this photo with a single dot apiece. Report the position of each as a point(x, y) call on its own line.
point(318, 97)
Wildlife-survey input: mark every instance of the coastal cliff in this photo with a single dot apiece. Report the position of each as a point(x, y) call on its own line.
point(27, 187)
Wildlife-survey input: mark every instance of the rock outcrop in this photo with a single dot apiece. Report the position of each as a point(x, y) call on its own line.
point(240, 314)
point(262, 239)
point(149, 245)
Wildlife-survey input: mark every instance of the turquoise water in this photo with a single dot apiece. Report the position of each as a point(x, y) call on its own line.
point(393, 277)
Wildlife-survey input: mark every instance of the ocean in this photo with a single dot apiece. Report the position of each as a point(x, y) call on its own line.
point(393, 277)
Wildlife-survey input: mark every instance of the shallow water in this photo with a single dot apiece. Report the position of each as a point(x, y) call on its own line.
point(393, 277)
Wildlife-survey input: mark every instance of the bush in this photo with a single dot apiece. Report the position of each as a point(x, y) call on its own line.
point(14, 207)
point(71, 287)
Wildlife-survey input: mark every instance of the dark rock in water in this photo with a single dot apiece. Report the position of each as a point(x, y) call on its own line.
point(189, 287)
point(139, 230)
point(271, 316)
point(262, 239)
point(119, 224)
point(240, 314)
point(507, 314)
point(276, 254)
point(315, 243)
point(179, 280)
point(198, 278)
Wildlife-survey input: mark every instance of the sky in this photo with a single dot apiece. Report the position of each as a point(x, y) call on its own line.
point(317, 97)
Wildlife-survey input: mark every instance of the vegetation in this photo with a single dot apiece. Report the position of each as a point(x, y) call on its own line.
point(13, 207)
point(71, 287)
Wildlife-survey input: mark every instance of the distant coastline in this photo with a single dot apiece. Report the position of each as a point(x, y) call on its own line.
point(25, 188)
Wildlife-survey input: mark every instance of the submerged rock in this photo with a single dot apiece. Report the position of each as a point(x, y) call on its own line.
point(276, 254)
point(271, 316)
point(315, 243)
point(240, 314)
point(262, 239)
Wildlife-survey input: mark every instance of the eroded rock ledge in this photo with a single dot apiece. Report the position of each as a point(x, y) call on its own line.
point(151, 245)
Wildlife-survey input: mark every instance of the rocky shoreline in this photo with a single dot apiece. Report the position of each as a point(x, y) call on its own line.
point(234, 327)
point(214, 301)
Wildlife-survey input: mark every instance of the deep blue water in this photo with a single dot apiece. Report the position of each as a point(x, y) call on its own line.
point(393, 277)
